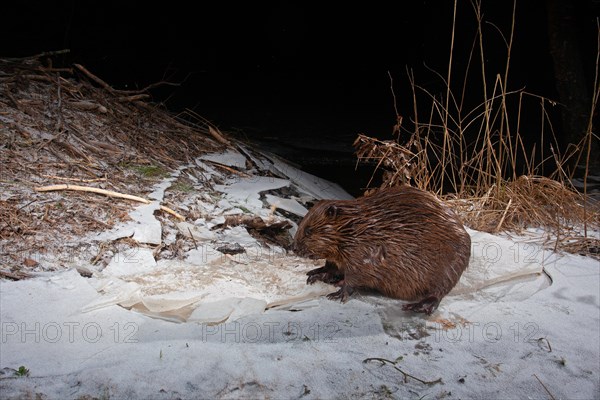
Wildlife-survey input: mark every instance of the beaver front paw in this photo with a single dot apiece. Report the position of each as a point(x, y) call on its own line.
point(327, 277)
point(329, 273)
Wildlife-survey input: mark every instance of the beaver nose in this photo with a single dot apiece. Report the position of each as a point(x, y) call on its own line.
point(297, 247)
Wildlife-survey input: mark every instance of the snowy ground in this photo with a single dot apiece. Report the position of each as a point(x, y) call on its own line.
point(523, 322)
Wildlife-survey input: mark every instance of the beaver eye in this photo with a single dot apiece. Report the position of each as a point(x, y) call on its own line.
point(307, 231)
point(332, 211)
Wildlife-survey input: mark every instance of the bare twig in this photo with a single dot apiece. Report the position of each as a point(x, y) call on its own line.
point(134, 97)
point(74, 179)
point(40, 55)
point(406, 375)
point(503, 215)
point(544, 386)
point(193, 239)
point(225, 167)
point(94, 77)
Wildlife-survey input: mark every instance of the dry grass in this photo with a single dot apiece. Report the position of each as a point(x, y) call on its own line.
point(477, 159)
point(525, 202)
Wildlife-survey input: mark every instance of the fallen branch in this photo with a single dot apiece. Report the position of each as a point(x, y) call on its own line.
point(218, 136)
point(130, 95)
point(109, 193)
point(14, 276)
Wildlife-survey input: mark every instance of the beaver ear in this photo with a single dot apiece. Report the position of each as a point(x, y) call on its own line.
point(332, 211)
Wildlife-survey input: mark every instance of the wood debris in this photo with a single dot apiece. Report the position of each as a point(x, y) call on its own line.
point(66, 126)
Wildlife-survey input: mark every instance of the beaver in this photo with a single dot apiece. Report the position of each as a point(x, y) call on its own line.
point(400, 241)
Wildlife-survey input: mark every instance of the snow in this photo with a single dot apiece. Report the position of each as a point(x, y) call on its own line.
point(143, 226)
point(229, 157)
point(289, 205)
point(244, 192)
point(310, 184)
point(523, 322)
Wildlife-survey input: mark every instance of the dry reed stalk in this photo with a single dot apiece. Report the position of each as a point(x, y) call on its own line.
point(590, 134)
point(488, 188)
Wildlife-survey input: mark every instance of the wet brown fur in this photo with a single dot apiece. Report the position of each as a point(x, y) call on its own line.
point(400, 241)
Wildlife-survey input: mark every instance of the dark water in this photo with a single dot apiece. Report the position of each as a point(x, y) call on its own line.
point(316, 141)
point(333, 160)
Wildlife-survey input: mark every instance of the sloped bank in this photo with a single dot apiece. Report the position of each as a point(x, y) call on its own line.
point(244, 328)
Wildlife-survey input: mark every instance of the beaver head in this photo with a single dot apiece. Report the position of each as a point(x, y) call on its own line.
point(322, 230)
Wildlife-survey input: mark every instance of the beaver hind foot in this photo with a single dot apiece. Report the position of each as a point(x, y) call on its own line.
point(427, 305)
point(343, 294)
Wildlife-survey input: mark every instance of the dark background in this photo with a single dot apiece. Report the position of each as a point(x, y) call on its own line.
point(301, 78)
